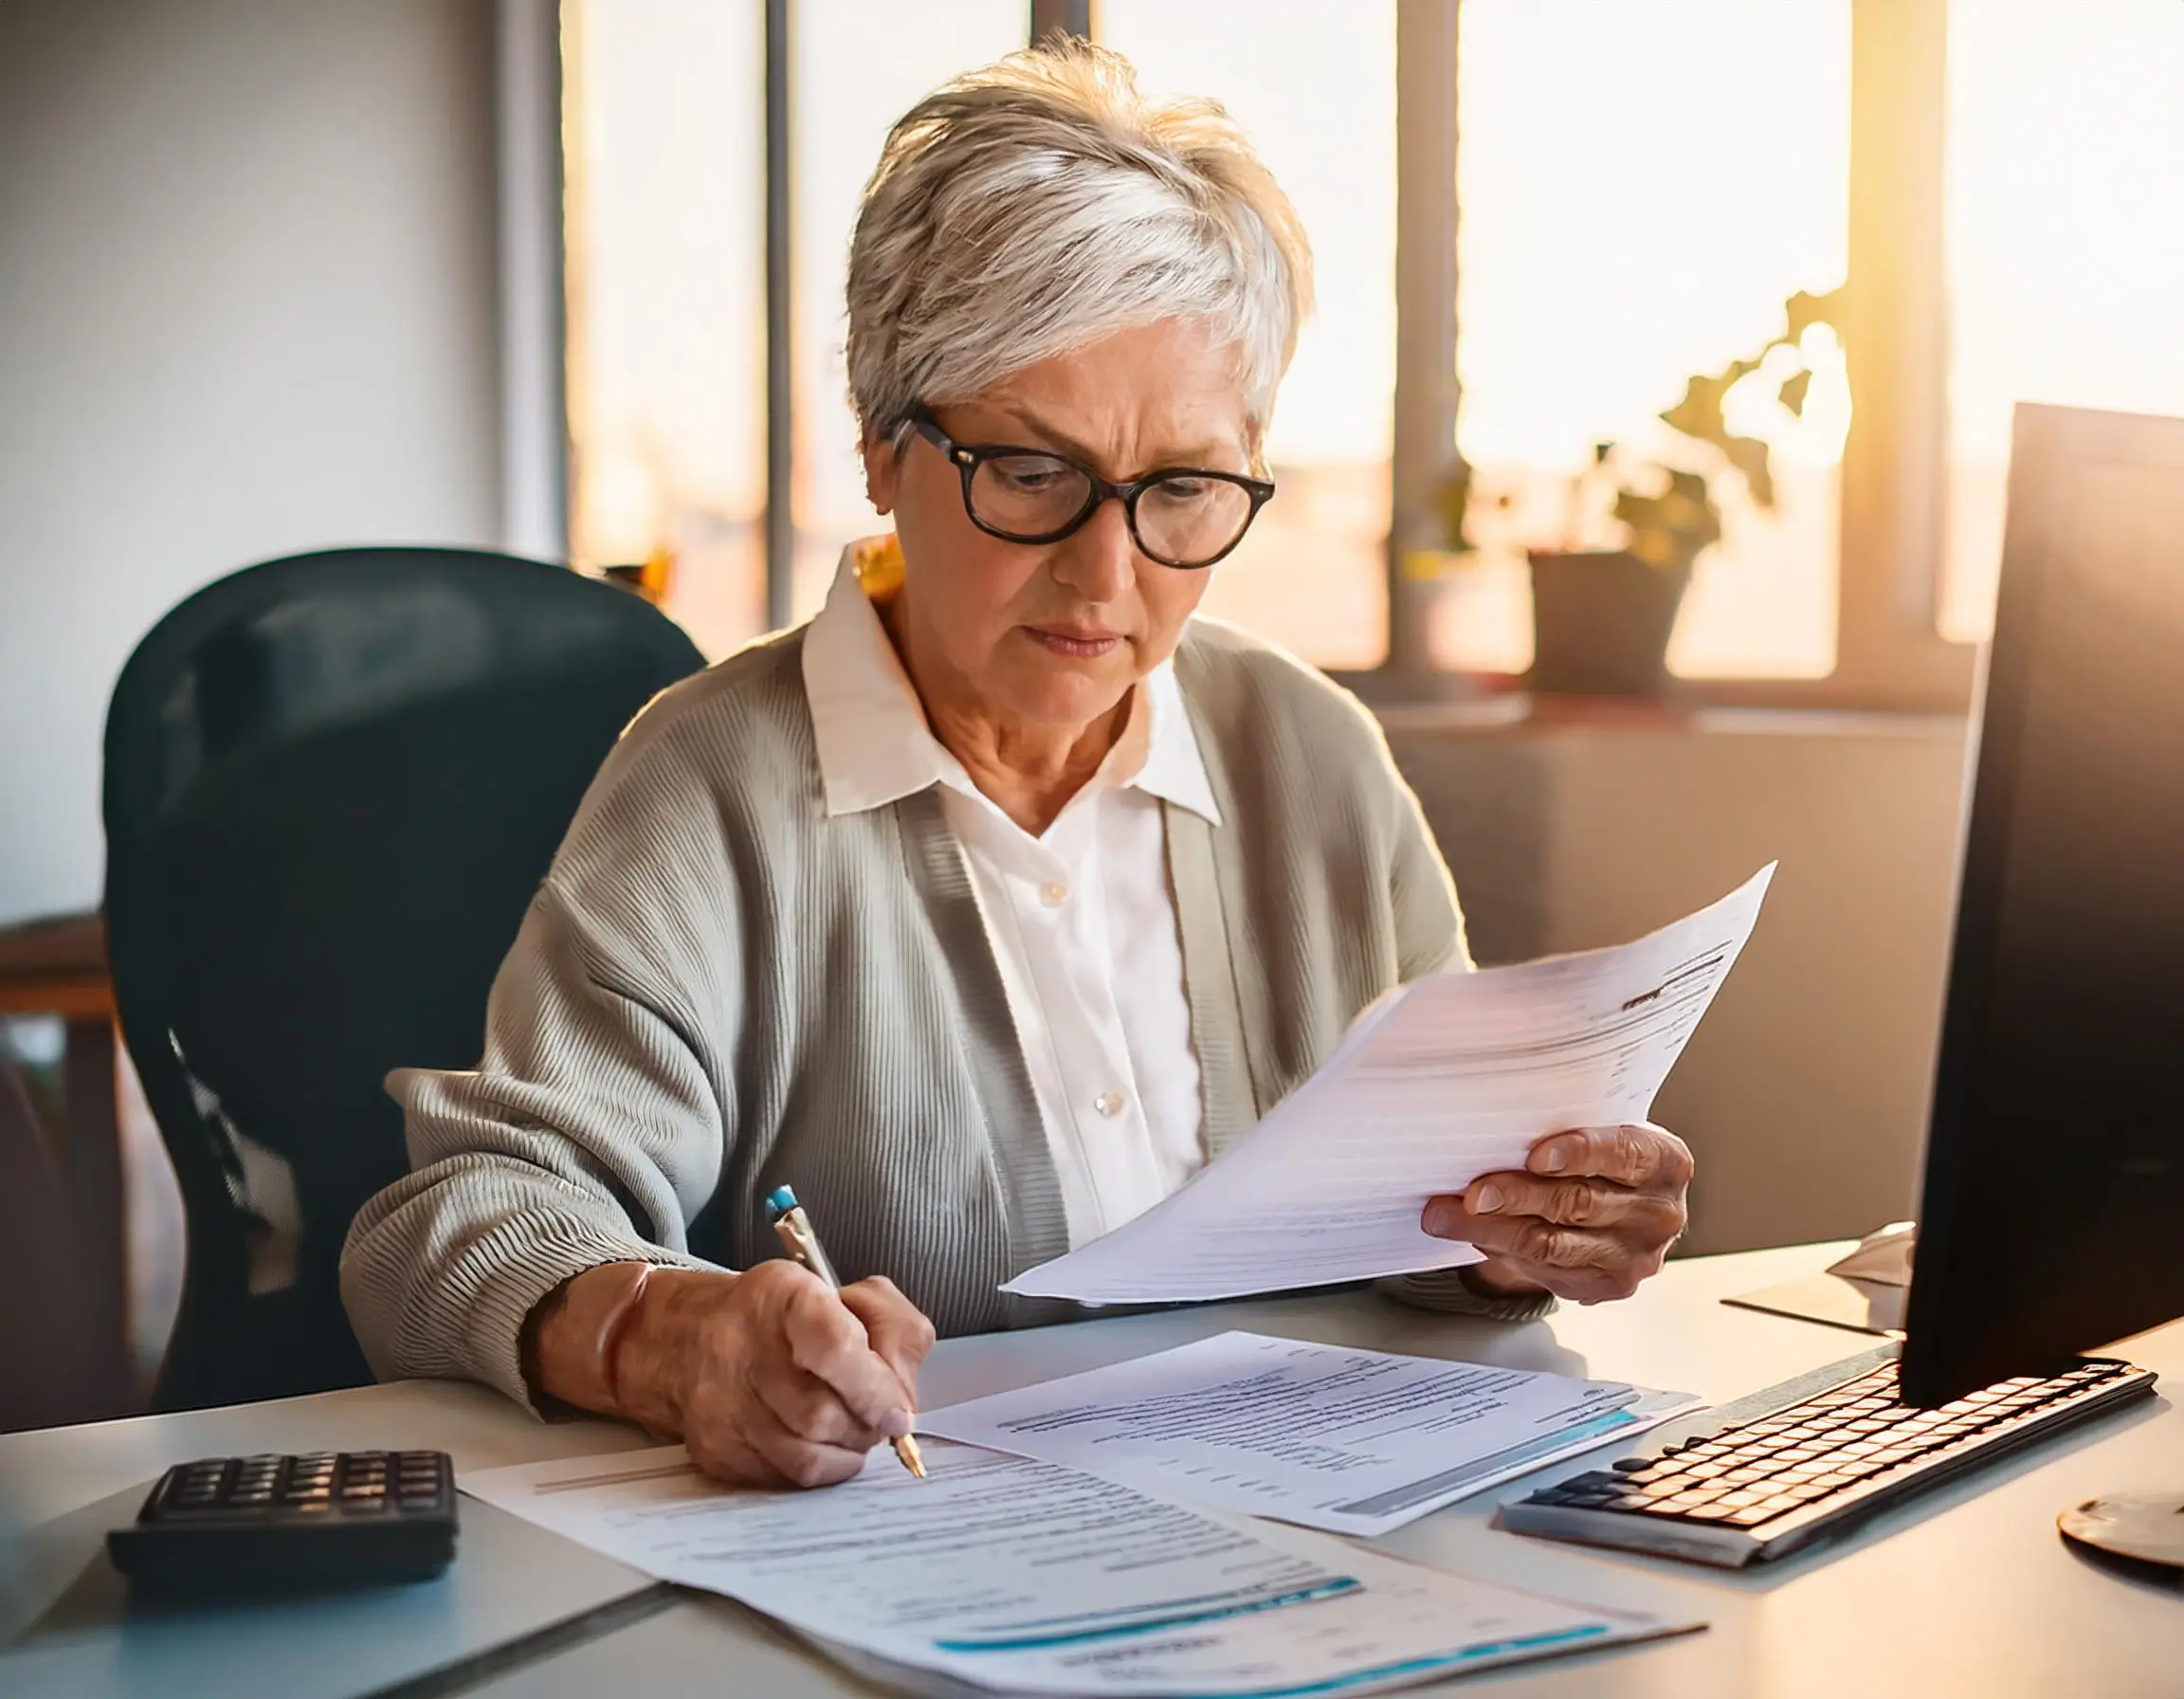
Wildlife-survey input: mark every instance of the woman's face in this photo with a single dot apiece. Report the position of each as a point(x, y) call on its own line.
point(1056, 633)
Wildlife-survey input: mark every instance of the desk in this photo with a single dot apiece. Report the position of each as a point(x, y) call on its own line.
point(1970, 1592)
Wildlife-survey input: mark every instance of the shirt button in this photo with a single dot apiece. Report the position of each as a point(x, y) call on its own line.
point(1109, 1103)
point(1053, 893)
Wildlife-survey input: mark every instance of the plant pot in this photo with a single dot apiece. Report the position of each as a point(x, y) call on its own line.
point(1601, 623)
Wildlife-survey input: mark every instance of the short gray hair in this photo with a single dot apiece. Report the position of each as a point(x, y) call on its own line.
point(1041, 203)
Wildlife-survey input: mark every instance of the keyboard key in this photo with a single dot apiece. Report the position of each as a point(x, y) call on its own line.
point(1856, 1446)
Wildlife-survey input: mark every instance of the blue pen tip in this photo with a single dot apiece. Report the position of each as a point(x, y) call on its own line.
point(779, 1202)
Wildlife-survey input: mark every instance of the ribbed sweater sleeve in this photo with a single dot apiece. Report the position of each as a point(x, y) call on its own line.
point(594, 1123)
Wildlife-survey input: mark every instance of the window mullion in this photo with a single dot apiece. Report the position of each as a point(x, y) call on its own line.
point(1895, 346)
point(1425, 384)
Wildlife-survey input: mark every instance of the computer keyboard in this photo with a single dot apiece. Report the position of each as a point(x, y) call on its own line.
point(1764, 1488)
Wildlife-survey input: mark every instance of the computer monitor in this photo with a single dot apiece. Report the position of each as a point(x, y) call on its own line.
point(2052, 1220)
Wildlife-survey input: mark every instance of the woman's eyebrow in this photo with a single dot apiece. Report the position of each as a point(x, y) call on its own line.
point(1200, 454)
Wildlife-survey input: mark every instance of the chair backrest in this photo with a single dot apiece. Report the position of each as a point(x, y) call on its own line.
point(332, 785)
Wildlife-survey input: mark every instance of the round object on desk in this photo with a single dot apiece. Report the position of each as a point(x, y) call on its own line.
point(2150, 1529)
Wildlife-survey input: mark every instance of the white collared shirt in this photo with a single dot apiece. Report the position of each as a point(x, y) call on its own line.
point(1082, 919)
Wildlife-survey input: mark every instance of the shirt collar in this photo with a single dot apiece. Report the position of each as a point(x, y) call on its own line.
point(876, 747)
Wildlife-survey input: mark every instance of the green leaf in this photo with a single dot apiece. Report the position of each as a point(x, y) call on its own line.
point(1699, 413)
point(1804, 308)
point(1748, 454)
point(1793, 390)
point(1670, 530)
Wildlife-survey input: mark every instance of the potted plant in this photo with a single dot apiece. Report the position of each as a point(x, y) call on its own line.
point(1602, 616)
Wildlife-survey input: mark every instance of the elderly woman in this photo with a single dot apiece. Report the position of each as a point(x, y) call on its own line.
point(992, 904)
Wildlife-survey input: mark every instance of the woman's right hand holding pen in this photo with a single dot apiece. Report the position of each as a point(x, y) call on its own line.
point(769, 1377)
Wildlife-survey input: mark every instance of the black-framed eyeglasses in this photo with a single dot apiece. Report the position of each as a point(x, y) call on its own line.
point(1183, 516)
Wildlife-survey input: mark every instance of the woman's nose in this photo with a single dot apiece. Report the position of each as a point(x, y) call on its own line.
point(1099, 562)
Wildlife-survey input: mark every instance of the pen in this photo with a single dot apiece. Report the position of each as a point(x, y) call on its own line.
point(800, 1239)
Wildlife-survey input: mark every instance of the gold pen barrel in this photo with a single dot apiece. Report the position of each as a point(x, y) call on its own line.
point(794, 1228)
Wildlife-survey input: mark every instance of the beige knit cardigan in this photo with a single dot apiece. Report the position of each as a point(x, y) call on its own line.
point(719, 990)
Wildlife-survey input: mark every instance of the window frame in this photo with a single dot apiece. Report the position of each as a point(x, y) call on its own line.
point(1890, 654)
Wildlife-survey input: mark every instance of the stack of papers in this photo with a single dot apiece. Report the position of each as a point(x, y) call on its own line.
point(1025, 1577)
point(1357, 1442)
point(1063, 1561)
point(1441, 1080)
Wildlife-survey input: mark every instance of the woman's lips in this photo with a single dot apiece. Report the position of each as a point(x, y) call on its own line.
point(1079, 643)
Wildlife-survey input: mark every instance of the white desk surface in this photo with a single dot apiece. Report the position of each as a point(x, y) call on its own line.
point(1969, 1592)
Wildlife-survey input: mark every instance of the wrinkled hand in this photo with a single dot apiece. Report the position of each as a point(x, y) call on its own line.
point(1593, 1215)
point(769, 1377)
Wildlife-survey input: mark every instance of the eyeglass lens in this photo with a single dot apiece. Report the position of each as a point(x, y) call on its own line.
point(1181, 519)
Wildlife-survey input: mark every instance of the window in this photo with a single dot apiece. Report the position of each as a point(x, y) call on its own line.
point(2066, 241)
point(666, 288)
point(859, 66)
point(1314, 86)
point(1641, 189)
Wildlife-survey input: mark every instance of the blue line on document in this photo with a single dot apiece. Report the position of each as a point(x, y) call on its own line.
point(1329, 1589)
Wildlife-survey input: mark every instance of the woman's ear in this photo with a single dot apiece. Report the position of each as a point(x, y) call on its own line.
point(883, 471)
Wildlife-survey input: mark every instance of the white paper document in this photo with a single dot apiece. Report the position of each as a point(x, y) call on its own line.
point(1358, 1442)
point(1441, 1080)
point(1027, 1578)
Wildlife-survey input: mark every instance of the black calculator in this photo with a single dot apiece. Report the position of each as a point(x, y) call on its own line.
point(310, 1521)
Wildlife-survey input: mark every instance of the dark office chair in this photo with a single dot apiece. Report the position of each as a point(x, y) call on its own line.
point(333, 784)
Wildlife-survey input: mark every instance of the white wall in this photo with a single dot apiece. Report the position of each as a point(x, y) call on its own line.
point(1804, 1092)
point(248, 306)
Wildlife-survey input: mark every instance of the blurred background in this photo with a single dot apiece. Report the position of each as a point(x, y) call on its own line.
point(281, 274)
